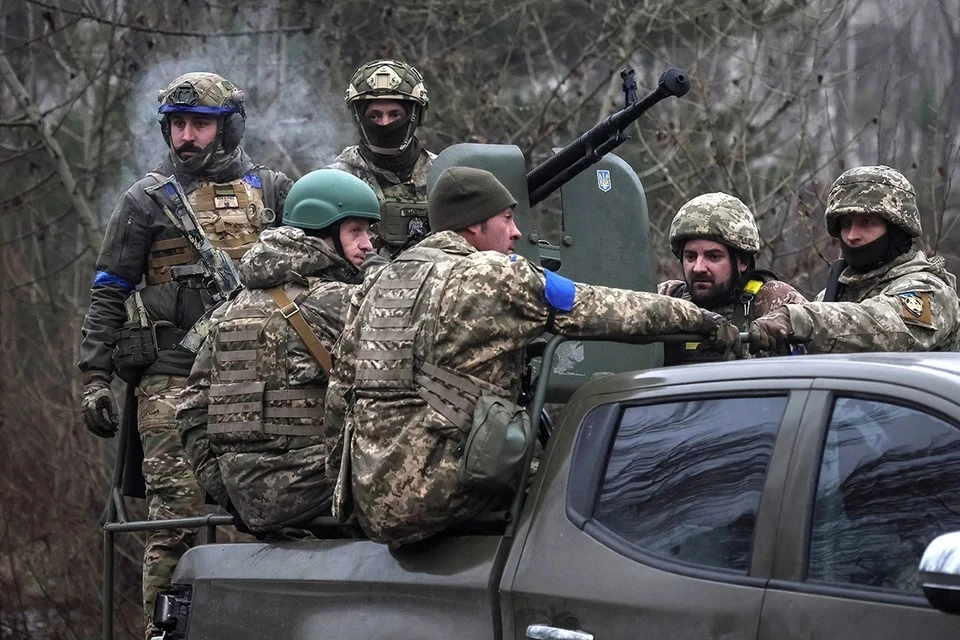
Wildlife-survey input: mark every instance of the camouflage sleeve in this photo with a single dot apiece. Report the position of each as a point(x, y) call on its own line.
point(192, 424)
point(774, 294)
point(670, 288)
point(581, 310)
point(917, 317)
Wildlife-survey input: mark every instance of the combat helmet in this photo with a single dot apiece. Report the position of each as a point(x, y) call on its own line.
point(718, 217)
point(322, 198)
point(210, 94)
point(877, 190)
point(387, 80)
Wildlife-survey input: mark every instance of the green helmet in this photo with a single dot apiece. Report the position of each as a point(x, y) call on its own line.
point(718, 217)
point(209, 94)
point(877, 190)
point(324, 197)
point(387, 80)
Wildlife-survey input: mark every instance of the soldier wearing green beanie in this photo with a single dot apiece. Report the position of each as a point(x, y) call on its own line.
point(439, 328)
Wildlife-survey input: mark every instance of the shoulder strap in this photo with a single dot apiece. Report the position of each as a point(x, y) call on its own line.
point(290, 311)
point(832, 291)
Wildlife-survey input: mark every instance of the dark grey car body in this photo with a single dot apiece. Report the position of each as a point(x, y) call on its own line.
point(569, 569)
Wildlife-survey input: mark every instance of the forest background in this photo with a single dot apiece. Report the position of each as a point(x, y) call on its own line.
point(786, 95)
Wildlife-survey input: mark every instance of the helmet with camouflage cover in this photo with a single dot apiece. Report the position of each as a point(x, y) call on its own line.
point(322, 198)
point(718, 217)
point(877, 190)
point(209, 94)
point(387, 80)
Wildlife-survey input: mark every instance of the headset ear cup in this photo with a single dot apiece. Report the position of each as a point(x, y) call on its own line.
point(233, 127)
point(164, 127)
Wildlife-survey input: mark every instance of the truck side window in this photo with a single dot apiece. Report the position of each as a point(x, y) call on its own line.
point(684, 479)
point(889, 483)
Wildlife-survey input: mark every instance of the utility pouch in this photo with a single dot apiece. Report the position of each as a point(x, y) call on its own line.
point(402, 222)
point(134, 351)
point(495, 449)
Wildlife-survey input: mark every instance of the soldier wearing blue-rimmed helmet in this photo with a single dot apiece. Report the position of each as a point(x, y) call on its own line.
point(138, 331)
point(883, 294)
point(388, 100)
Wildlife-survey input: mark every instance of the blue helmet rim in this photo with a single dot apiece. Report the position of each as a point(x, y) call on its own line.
point(186, 108)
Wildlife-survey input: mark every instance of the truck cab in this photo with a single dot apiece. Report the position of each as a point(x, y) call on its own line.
point(776, 498)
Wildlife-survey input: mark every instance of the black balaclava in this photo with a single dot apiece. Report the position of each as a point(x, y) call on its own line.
point(873, 255)
point(391, 136)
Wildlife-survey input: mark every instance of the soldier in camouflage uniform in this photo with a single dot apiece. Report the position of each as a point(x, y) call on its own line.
point(884, 295)
point(447, 322)
point(202, 121)
point(251, 414)
point(388, 101)
point(716, 239)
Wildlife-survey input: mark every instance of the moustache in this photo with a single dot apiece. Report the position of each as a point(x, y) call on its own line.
point(189, 146)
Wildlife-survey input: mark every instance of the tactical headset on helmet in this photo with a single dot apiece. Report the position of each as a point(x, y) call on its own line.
point(877, 190)
point(387, 80)
point(322, 198)
point(207, 94)
point(718, 217)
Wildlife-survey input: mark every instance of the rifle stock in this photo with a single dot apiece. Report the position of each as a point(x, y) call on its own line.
point(590, 147)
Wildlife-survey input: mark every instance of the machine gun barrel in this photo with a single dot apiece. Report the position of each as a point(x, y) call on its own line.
point(600, 140)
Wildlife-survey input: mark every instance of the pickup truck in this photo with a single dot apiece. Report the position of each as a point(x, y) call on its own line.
point(763, 499)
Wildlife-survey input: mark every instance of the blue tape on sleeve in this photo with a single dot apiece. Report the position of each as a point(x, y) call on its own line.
point(253, 179)
point(560, 291)
point(103, 278)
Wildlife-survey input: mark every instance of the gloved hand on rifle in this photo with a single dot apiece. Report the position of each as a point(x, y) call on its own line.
point(721, 336)
point(99, 405)
point(771, 333)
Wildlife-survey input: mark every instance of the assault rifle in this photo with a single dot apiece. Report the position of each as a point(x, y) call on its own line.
point(215, 267)
point(589, 148)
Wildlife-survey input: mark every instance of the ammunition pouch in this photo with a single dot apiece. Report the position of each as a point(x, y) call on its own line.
point(137, 347)
point(495, 449)
point(402, 222)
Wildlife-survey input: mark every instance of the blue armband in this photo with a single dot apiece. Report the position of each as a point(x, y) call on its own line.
point(103, 278)
point(253, 179)
point(560, 292)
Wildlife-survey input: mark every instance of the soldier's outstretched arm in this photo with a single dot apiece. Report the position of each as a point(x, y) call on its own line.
point(909, 320)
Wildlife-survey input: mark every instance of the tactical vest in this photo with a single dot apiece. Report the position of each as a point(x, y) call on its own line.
point(231, 215)
point(391, 361)
point(744, 312)
point(250, 398)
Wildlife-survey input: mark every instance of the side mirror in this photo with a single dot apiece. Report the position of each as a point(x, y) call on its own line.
point(940, 572)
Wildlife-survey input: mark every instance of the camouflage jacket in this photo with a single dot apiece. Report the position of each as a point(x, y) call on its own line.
point(135, 225)
point(252, 426)
point(391, 191)
point(770, 297)
point(908, 305)
point(401, 448)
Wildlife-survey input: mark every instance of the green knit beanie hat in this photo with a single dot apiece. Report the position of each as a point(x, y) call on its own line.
point(463, 196)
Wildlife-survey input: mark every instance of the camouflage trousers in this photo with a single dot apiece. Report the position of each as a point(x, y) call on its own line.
point(172, 489)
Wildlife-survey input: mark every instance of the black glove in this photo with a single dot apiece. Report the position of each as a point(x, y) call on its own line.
point(237, 520)
point(721, 336)
point(99, 405)
point(770, 333)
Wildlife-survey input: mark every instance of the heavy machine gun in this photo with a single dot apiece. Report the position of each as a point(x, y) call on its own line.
point(590, 147)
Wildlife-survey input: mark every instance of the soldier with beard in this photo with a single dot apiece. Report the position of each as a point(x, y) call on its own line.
point(883, 295)
point(388, 100)
point(251, 414)
point(716, 239)
point(202, 121)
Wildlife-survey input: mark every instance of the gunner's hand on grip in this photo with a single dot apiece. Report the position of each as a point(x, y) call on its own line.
point(720, 335)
